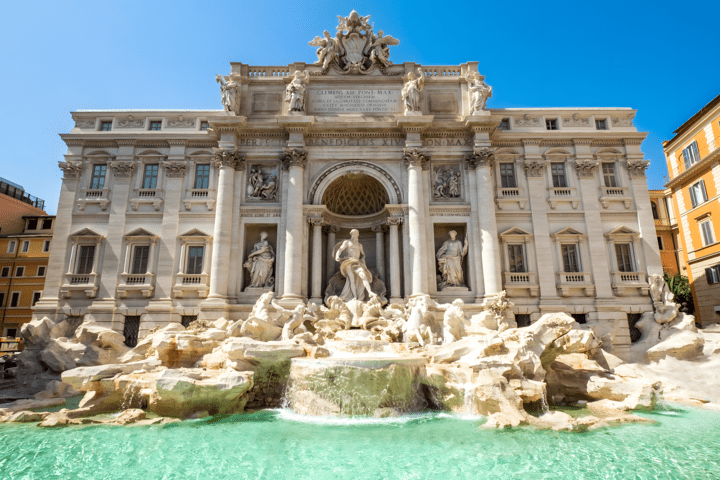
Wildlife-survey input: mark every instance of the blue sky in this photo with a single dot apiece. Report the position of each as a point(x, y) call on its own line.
point(659, 57)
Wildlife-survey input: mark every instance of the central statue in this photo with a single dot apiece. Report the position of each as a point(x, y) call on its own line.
point(354, 281)
point(351, 256)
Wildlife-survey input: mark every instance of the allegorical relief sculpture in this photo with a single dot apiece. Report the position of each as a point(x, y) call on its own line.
point(229, 94)
point(479, 92)
point(355, 48)
point(295, 92)
point(260, 264)
point(447, 183)
point(411, 92)
point(262, 183)
point(450, 258)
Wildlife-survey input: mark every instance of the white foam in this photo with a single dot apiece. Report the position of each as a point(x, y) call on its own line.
point(288, 414)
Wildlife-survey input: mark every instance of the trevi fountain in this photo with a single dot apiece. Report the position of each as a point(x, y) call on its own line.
point(409, 379)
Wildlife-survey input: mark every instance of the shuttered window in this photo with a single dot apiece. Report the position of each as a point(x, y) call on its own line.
point(623, 253)
point(698, 194)
point(691, 155)
point(708, 236)
point(140, 259)
point(516, 257)
point(571, 262)
point(85, 259)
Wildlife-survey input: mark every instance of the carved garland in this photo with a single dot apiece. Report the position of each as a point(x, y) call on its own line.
point(359, 164)
point(174, 169)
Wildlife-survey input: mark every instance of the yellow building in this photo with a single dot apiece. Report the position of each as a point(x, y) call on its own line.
point(668, 232)
point(23, 266)
point(693, 161)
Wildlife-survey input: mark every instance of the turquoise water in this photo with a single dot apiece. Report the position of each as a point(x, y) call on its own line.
point(278, 444)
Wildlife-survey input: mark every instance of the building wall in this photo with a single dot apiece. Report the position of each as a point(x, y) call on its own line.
point(11, 213)
point(703, 128)
point(29, 282)
point(224, 218)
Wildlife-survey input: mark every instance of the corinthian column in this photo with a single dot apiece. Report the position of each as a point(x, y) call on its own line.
point(416, 161)
point(395, 296)
point(380, 250)
point(482, 161)
point(225, 161)
point(293, 160)
point(316, 271)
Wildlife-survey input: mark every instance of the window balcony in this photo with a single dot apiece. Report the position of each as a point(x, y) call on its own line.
point(520, 283)
point(80, 282)
point(508, 196)
point(130, 282)
point(628, 283)
point(151, 196)
point(191, 283)
point(574, 283)
point(610, 195)
point(92, 196)
point(200, 196)
point(563, 194)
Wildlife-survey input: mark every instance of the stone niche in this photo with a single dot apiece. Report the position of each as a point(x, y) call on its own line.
point(441, 234)
point(252, 236)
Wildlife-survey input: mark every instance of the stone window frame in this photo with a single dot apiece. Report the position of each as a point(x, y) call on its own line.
point(149, 121)
point(568, 194)
point(33, 300)
point(44, 271)
point(153, 196)
point(623, 282)
point(700, 185)
point(703, 220)
point(86, 282)
point(605, 125)
point(46, 246)
point(5, 272)
point(201, 122)
point(101, 121)
point(20, 271)
point(568, 281)
point(138, 282)
point(199, 283)
point(552, 122)
point(505, 196)
point(515, 281)
point(616, 194)
point(194, 196)
point(89, 195)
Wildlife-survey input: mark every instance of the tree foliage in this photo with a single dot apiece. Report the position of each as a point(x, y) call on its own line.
point(679, 285)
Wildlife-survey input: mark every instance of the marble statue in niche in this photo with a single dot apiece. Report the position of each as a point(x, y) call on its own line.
point(260, 264)
point(450, 258)
point(447, 183)
point(411, 92)
point(262, 183)
point(229, 94)
point(354, 280)
point(479, 92)
point(295, 92)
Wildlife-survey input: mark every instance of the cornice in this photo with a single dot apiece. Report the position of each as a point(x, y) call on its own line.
point(695, 169)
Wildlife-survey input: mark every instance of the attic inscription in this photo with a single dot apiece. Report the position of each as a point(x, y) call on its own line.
point(355, 101)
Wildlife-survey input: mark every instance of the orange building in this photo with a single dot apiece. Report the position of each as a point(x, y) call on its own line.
point(693, 161)
point(668, 232)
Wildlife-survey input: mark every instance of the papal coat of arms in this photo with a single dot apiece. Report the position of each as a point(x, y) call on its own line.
point(355, 48)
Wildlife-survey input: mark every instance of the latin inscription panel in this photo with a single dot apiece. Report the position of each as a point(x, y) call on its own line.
point(354, 101)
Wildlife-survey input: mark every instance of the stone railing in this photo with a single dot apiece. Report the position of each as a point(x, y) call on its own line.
point(613, 191)
point(504, 196)
point(615, 194)
point(79, 282)
point(624, 283)
point(187, 282)
point(199, 196)
point(151, 196)
point(520, 283)
point(95, 193)
point(268, 72)
point(569, 282)
point(143, 283)
point(442, 71)
point(562, 191)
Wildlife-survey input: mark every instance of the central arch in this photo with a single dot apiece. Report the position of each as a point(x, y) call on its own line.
point(328, 176)
point(355, 194)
